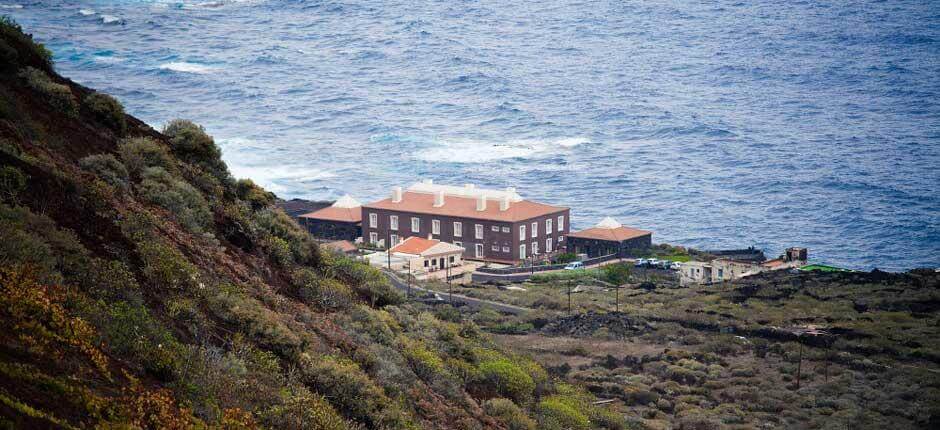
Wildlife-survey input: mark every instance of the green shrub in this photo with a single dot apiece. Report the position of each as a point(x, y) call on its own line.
point(258, 322)
point(191, 143)
point(185, 202)
point(566, 257)
point(351, 390)
point(131, 332)
point(11, 34)
point(12, 183)
point(558, 413)
point(425, 362)
point(166, 268)
point(107, 168)
point(506, 379)
point(617, 274)
point(108, 110)
point(57, 95)
point(139, 153)
point(322, 292)
point(510, 414)
point(303, 410)
point(254, 195)
point(368, 281)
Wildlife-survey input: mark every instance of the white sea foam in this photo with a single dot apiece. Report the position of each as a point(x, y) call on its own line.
point(107, 59)
point(184, 67)
point(11, 6)
point(111, 19)
point(245, 159)
point(469, 151)
point(86, 12)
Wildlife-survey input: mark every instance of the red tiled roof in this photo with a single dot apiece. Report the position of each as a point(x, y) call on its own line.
point(343, 246)
point(332, 213)
point(618, 234)
point(466, 207)
point(414, 245)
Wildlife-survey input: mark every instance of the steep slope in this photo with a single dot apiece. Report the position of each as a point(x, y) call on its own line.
point(143, 287)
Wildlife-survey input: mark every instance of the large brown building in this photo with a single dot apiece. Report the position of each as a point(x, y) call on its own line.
point(609, 237)
point(491, 225)
point(340, 221)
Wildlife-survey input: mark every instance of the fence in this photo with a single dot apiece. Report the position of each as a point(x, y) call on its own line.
point(543, 268)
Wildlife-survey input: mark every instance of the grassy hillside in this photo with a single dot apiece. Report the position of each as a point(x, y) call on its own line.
point(143, 287)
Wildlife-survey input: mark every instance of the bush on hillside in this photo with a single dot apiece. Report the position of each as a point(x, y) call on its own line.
point(107, 168)
point(367, 281)
point(556, 413)
point(108, 110)
point(131, 332)
point(510, 414)
point(506, 379)
point(57, 95)
point(183, 200)
point(12, 183)
point(191, 143)
point(254, 195)
point(165, 268)
point(139, 153)
point(352, 391)
point(566, 257)
point(304, 410)
point(11, 34)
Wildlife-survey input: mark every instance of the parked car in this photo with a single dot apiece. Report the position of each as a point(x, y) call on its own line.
point(675, 265)
point(574, 266)
point(640, 262)
point(664, 264)
point(652, 262)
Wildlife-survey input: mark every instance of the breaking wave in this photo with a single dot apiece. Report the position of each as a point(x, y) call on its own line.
point(473, 151)
point(184, 67)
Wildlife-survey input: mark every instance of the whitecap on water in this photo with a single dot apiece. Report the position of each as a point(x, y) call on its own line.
point(11, 6)
point(471, 151)
point(184, 67)
point(246, 159)
point(111, 19)
point(86, 12)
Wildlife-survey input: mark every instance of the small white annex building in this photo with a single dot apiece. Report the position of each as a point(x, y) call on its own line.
point(427, 255)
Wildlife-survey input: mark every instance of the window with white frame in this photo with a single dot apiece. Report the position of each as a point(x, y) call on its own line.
point(478, 231)
point(561, 223)
point(535, 231)
point(548, 226)
point(460, 244)
point(535, 248)
point(505, 249)
point(495, 228)
point(415, 224)
point(479, 250)
point(521, 232)
point(374, 238)
point(548, 245)
point(522, 251)
point(393, 222)
point(561, 238)
point(393, 240)
point(458, 229)
point(435, 226)
point(506, 229)
point(373, 220)
point(494, 248)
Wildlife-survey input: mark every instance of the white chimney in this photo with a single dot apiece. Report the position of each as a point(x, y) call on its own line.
point(481, 202)
point(504, 203)
point(429, 181)
point(396, 194)
point(438, 199)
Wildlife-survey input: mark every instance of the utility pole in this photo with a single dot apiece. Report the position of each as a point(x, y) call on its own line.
point(617, 300)
point(799, 365)
point(388, 247)
point(450, 286)
point(569, 297)
point(409, 279)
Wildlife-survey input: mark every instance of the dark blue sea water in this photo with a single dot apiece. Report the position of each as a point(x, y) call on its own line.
point(714, 124)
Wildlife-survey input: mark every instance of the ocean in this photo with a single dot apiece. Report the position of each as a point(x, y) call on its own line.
point(714, 124)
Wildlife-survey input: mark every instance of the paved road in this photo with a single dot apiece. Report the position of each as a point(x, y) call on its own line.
point(457, 298)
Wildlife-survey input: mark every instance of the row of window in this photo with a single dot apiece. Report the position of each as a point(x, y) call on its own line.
point(458, 226)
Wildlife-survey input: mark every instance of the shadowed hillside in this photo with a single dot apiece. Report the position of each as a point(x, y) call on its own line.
point(144, 287)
